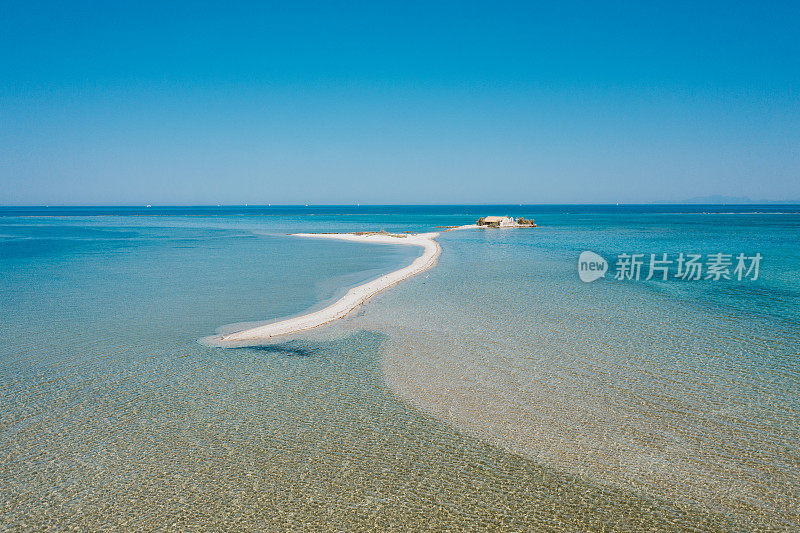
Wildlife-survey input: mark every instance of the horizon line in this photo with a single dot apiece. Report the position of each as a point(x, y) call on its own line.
point(615, 204)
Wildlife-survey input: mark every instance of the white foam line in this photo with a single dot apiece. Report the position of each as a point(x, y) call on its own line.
point(355, 296)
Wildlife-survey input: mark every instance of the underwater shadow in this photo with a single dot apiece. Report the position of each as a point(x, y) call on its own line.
point(285, 349)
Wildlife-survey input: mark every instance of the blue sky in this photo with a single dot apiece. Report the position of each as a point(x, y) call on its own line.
point(407, 102)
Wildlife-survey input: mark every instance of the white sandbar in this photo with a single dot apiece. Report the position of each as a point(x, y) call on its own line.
point(355, 296)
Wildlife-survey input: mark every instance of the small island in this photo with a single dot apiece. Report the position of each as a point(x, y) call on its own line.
point(505, 222)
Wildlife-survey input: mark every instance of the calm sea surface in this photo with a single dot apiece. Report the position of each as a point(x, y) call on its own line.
point(496, 390)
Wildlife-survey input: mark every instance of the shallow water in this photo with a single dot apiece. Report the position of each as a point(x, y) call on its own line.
point(628, 406)
point(687, 391)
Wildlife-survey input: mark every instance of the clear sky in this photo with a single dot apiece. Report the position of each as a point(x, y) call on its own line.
point(407, 102)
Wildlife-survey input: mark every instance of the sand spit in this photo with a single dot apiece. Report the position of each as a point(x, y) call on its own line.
point(355, 296)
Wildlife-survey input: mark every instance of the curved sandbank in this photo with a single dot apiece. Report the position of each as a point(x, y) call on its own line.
point(355, 296)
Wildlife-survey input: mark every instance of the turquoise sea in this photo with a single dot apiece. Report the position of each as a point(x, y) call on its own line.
point(495, 391)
